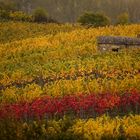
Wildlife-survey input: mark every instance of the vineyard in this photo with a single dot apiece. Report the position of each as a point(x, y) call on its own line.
point(55, 83)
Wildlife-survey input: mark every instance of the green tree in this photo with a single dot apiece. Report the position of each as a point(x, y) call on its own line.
point(123, 19)
point(91, 19)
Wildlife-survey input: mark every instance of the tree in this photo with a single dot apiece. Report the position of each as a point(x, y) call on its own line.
point(40, 15)
point(96, 20)
point(70, 10)
point(123, 19)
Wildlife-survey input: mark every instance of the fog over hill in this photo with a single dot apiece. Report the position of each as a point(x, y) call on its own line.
point(69, 10)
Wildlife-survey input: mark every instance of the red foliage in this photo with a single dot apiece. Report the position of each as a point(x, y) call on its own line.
point(87, 104)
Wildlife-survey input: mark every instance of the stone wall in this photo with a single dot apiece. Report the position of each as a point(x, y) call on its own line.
point(111, 43)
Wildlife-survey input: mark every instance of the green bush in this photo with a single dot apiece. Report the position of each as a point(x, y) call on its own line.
point(5, 9)
point(40, 15)
point(123, 19)
point(4, 15)
point(10, 6)
point(92, 19)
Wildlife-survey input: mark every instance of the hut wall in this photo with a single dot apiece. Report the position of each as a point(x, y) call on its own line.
point(112, 47)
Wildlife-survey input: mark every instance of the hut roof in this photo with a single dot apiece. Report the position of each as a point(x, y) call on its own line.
point(118, 40)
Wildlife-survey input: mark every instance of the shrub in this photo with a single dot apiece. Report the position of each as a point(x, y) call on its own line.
point(10, 6)
point(4, 15)
point(92, 19)
point(20, 16)
point(40, 15)
point(123, 19)
point(5, 9)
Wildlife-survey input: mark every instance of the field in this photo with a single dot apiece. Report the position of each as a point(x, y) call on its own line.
point(55, 84)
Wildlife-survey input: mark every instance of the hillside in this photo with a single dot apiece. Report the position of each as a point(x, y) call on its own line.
point(55, 84)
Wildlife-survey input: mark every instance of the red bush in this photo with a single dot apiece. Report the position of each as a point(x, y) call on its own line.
point(75, 105)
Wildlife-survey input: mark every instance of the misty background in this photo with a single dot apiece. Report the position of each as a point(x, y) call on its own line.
point(70, 10)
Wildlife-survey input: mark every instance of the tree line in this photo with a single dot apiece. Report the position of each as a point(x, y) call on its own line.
point(71, 10)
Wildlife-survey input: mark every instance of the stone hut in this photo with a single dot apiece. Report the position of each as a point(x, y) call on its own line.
point(115, 43)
